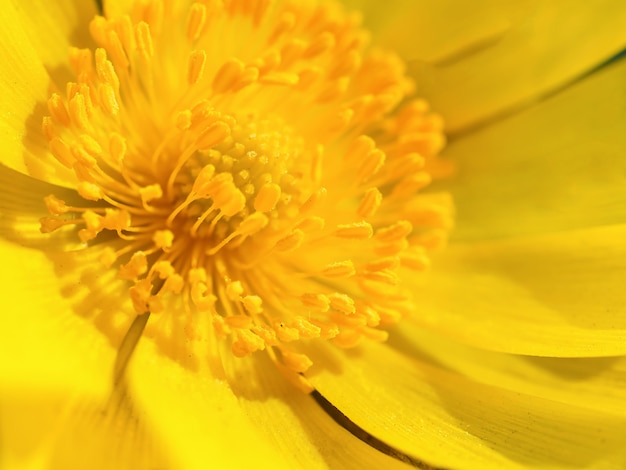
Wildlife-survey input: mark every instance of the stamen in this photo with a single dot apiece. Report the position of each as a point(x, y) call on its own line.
point(195, 21)
point(197, 60)
point(272, 189)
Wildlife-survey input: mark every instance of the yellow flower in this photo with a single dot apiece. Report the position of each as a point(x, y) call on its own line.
point(250, 183)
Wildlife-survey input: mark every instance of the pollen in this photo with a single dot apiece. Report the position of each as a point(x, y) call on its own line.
point(259, 165)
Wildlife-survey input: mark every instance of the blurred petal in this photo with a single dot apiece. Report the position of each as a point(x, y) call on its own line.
point(45, 429)
point(450, 421)
point(26, 73)
point(476, 60)
point(56, 371)
point(54, 27)
point(595, 383)
point(554, 295)
point(23, 74)
point(556, 166)
point(22, 206)
point(45, 343)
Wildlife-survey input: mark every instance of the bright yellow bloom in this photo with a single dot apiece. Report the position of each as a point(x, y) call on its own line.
point(253, 183)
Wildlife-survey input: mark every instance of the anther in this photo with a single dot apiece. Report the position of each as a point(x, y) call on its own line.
point(296, 361)
point(136, 266)
point(117, 147)
point(55, 205)
point(342, 303)
point(319, 302)
point(195, 21)
point(290, 242)
point(372, 163)
point(78, 111)
point(285, 24)
point(306, 328)
point(411, 184)
point(280, 78)
point(267, 197)
point(286, 333)
point(57, 109)
point(107, 99)
point(163, 239)
point(115, 48)
point(213, 135)
point(389, 262)
point(61, 152)
point(183, 120)
point(252, 304)
point(150, 193)
point(50, 224)
point(311, 224)
point(195, 69)
point(322, 43)
point(372, 198)
point(89, 191)
point(394, 232)
point(246, 342)
point(357, 231)
point(234, 290)
point(252, 224)
point(339, 269)
point(359, 149)
point(228, 75)
point(144, 39)
point(415, 258)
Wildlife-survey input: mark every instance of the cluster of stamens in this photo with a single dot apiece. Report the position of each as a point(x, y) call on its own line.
point(253, 163)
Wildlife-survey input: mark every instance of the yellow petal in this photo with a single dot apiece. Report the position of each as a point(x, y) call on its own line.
point(595, 383)
point(554, 295)
point(432, 31)
point(54, 27)
point(22, 206)
point(56, 369)
point(294, 423)
point(23, 74)
point(34, 41)
point(45, 429)
point(450, 421)
point(558, 165)
point(193, 411)
point(487, 58)
point(45, 341)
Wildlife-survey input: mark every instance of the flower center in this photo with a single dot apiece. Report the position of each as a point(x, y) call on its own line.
point(251, 163)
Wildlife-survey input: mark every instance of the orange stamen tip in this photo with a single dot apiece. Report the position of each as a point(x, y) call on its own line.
point(278, 195)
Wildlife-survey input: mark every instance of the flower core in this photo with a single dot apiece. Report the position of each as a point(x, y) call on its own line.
point(254, 162)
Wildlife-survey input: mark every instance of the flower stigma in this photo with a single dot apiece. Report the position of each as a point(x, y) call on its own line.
point(255, 163)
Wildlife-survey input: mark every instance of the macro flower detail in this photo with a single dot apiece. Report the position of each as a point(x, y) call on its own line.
point(209, 207)
point(272, 182)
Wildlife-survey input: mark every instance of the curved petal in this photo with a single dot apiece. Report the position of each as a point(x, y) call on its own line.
point(295, 423)
point(23, 74)
point(56, 372)
point(195, 413)
point(31, 62)
point(45, 429)
point(557, 295)
point(595, 383)
point(477, 60)
point(46, 343)
point(54, 27)
point(22, 207)
point(452, 422)
point(559, 165)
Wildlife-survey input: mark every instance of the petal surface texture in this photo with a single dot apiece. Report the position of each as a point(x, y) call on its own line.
point(556, 166)
point(461, 423)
